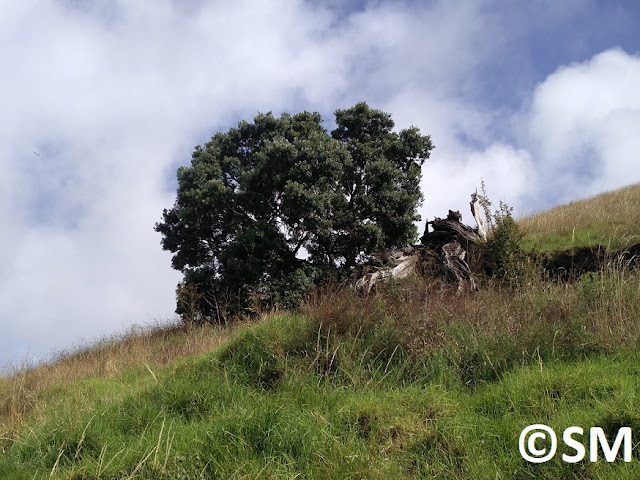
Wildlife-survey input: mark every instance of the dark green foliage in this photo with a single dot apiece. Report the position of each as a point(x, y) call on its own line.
point(290, 290)
point(380, 181)
point(502, 256)
point(505, 257)
point(256, 197)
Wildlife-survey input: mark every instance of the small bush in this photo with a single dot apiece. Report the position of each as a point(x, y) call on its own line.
point(504, 255)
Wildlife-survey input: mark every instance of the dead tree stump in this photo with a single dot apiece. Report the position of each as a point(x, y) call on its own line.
point(450, 239)
point(446, 244)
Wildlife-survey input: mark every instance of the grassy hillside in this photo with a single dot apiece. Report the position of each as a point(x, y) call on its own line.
point(611, 219)
point(413, 382)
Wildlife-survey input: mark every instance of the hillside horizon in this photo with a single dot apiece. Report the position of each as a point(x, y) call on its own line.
point(608, 218)
point(412, 381)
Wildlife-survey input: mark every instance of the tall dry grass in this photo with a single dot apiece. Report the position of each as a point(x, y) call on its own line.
point(489, 331)
point(150, 348)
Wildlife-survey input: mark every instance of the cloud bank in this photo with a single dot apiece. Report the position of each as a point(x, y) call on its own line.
point(103, 101)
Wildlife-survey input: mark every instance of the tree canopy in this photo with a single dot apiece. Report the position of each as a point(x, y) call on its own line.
point(275, 205)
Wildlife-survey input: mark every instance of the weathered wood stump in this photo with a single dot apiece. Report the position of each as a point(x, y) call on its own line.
point(446, 244)
point(401, 265)
point(450, 239)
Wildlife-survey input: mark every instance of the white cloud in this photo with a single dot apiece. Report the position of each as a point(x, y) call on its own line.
point(583, 125)
point(577, 137)
point(507, 172)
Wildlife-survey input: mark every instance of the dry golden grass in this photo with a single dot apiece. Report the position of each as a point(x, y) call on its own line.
point(611, 218)
point(107, 358)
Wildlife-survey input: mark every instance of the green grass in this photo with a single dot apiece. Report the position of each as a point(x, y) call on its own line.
point(566, 239)
point(290, 399)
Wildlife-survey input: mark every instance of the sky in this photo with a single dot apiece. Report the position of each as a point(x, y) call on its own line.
point(101, 102)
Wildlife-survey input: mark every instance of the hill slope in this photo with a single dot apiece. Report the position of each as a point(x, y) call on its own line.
point(611, 219)
point(413, 382)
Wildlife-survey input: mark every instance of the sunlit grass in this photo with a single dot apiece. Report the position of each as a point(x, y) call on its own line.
point(611, 219)
point(142, 349)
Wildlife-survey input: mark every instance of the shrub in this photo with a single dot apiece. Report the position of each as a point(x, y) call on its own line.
point(504, 256)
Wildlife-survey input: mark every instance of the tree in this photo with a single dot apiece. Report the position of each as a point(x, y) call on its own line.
point(257, 197)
